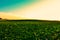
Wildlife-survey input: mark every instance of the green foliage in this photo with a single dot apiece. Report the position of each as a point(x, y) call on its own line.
point(29, 30)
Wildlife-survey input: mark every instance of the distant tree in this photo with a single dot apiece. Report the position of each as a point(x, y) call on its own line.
point(0, 18)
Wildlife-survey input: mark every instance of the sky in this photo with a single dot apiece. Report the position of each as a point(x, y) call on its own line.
point(8, 5)
point(30, 9)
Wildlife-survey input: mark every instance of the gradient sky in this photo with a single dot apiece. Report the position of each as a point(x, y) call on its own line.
point(30, 9)
point(8, 5)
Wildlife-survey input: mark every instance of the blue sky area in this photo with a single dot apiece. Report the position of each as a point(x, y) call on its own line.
point(7, 5)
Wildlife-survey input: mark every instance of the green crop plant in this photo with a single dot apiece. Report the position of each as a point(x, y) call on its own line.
point(29, 30)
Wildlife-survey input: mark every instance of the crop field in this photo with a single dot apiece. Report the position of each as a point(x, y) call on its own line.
point(29, 30)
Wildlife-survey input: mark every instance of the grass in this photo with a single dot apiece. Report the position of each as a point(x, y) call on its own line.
point(29, 30)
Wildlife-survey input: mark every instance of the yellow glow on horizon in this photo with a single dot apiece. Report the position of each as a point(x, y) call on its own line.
point(8, 16)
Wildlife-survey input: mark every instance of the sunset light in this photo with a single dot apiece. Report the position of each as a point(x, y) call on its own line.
point(38, 9)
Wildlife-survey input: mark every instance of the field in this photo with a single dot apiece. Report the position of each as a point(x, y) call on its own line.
point(29, 30)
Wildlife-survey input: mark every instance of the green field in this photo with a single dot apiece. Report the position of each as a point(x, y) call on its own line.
point(29, 30)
